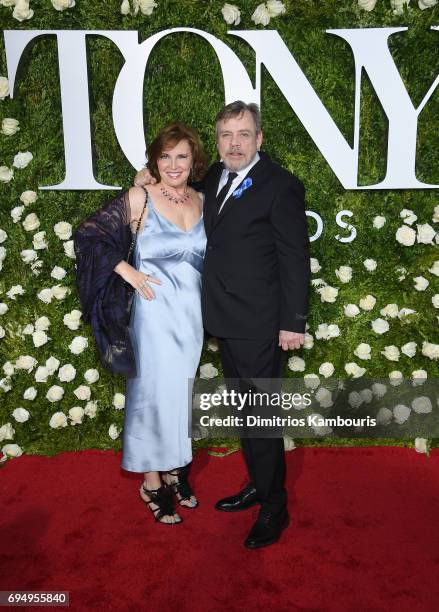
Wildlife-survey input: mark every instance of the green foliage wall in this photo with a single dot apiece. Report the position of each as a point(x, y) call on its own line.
point(183, 81)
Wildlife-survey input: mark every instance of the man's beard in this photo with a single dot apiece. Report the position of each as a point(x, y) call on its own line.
point(235, 165)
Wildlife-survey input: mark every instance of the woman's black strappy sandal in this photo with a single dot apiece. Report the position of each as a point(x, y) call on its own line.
point(162, 498)
point(181, 487)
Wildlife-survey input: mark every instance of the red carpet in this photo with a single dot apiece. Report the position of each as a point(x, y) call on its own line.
point(364, 535)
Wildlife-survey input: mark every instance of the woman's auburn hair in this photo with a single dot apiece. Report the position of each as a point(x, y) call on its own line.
point(168, 138)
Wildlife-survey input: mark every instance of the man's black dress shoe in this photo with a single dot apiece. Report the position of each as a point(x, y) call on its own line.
point(241, 501)
point(267, 529)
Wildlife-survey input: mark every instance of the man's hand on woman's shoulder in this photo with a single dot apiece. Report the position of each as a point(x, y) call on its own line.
point(144, 178)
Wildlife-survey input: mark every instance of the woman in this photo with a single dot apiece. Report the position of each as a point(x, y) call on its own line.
point(165, 328)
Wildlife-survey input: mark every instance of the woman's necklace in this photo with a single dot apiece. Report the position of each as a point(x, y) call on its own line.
point(177, 200)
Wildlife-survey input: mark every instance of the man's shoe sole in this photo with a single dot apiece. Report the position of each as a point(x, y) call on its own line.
point(239, 508)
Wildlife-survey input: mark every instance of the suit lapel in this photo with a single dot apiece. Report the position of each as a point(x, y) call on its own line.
point(210, 200)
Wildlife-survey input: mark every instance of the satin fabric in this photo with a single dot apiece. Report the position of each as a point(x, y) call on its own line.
point(167, 336)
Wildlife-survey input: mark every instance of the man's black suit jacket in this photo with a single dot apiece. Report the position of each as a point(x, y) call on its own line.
point(257, 268)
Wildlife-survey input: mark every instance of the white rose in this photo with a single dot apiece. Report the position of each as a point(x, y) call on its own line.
point(59, 292)
point(261, 16)
point(395, 378)
point(289, 443)
point(363, 351)
point(30, 394)
point(421, 283)
point(401, 413)
point(368, 302)
point(367, 5)
point(212, 345)
point(28, 329)
point(435, 217)
point(78, 344)
point(380, 326)
point(351, 310)
point(57, 420)
point(366, 395)
point(398, 6)
point(16, 213)
point(58, 273)
point(370, 264)
point(21, 160)
point(419, 377)
point(318, 282)
point(66, 373)
point(4, 87)
point(379, 390)
point(52, 364)
point(91, 376)
point(41, 374)
point(344, 274)
point(384, 416)
point(63, 230)
point(91, 409)
point(296, 364)
point(6, 174)
point(311, 381)
point(2, 253)
point(39, 241)
point(69, 249)
point(72, 319)
point(324, 397)
point(3, 308)
point(405, 235)
point(315, 266)
point(326, 369)
point(421, 445)
point(7, 2)
point(55, 393)
point(62, 5)
point(422, 405)
point(231, 14)
point(379, 222)
point(10, 126)
point(11, 451)
point(8, 368)
point(391, 352)
point(328, 294)
point(40, 338)
point(146, 6)
point(31, 222)
point(21, 415)
point(354, 399)
point(22, 11)
point(435, 300)
point(409, 349)
point(113, 431)
point(119, 401)
point(26, 362)
point(5, 384)
point(28, 197)
point(425, 234)
point(15, 290)
point(354, 370)
point(208, 371)
point(6, 432)
point(42, 323)
point(83, 392)
point(3, 235)
point(125, 7)
point(434, 268)
point(322, 332)
point(275, 8)
point(308, 343)
point(2, 332)
point(391, 311)
point(426, 4)
point(430, 350)
point(76, 414)
point(45, 295)
point(408, 216)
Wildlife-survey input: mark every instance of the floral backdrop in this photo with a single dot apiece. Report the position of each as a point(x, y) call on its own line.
point(374, 301)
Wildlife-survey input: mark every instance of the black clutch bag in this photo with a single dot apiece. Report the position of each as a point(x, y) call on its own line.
point(112, 310)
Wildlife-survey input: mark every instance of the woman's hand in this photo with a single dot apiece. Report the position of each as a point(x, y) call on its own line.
point(143, 178)
point(137, 279)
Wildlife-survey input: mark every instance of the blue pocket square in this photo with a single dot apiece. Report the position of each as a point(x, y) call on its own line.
point(246, 183)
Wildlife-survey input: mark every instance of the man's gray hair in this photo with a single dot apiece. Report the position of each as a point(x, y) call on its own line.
point(238, 108)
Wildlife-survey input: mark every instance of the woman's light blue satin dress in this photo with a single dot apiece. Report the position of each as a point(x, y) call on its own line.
point(167, 335)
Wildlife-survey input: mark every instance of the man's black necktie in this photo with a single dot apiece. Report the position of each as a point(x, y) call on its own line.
point(224, 191)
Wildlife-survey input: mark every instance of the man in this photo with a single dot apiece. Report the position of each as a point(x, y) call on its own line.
point(254, 290)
